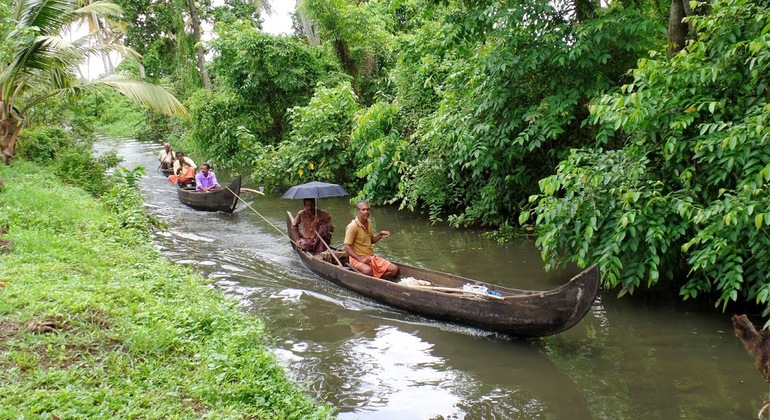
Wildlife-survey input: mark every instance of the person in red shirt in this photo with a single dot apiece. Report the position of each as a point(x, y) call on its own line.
point(313, 220)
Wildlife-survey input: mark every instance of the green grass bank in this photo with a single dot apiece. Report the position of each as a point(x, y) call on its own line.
point(95, 323)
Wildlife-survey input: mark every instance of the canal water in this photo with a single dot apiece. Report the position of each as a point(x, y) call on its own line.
point(629, 358)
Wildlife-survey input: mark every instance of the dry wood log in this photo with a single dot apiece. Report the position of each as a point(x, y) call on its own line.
point(757, 343)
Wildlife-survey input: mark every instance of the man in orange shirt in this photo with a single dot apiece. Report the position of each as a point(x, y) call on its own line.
point(184, 170)
point(359, 238)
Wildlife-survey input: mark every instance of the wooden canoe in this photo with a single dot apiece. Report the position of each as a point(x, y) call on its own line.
point(520, 313)
point(219, 200)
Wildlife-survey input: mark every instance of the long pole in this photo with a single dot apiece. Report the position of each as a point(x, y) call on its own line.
point(263, 217)
point(328, 248)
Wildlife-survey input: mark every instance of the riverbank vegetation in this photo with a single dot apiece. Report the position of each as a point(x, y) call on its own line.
point(628, 134)
point(94, 323)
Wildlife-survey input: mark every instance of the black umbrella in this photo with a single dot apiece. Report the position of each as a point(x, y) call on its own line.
point(314, 189)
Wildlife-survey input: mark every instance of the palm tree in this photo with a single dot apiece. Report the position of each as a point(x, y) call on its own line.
point(109, 32)
point(39, 64)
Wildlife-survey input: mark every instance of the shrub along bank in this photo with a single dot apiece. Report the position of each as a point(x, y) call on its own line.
point(94, 323)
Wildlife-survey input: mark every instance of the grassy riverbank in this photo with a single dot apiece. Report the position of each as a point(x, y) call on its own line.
point(94, 323)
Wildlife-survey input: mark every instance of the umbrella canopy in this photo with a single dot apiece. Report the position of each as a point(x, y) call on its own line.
point(314, 189)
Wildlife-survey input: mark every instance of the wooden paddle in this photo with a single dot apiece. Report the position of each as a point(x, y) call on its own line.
point(328, 248)
point(252, 191)
point(456, 290)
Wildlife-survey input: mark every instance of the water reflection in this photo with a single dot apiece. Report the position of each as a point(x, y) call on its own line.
point(413, 371)
point(629, 358)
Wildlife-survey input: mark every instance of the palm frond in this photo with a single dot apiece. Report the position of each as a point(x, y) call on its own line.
point(90, 49)
point(47, 52)
point(100, 8)
point(47, 16)
point(153, 96)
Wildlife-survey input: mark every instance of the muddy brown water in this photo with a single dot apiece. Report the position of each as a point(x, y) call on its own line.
point(629, 358)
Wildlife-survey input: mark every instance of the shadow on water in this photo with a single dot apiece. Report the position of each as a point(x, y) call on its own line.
point(629, 358)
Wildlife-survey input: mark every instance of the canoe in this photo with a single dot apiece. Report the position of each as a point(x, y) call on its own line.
point(515, 312)
point(166, 172)
point(219, 200)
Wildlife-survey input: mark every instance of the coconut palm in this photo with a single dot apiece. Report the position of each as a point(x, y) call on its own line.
point(37, 63)
point(108, 32)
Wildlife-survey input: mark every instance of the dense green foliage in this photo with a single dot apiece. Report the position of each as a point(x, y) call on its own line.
point(77, 167)
point(69, 155)
point(258, 77)
point(688, 191)
point(96, 324)
point(318, 147)
point(380, 150)
point(506, 112)
point(40, 143)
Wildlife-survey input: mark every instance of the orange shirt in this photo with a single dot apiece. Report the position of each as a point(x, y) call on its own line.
point(359, 237)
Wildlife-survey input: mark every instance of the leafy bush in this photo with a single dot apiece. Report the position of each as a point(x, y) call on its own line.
point(41, 143)
point(319, 145)
point(690, 187)
point(379, 151)
point(259, 77)
point(125, 200)
point(77, 167)
point(226, 126)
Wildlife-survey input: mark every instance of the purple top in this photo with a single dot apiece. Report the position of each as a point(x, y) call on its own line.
point(205, 181)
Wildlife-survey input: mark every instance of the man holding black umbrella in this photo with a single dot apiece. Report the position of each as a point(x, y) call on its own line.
point(313, 220)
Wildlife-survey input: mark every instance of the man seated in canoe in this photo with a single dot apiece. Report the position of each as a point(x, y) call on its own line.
point(184, 170)
point(312, 220)
point(166, 157)
point(359, 238)
point(205, 180)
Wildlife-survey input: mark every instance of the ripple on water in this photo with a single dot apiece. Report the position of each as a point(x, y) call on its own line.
point(288, 295)
point(192, 236)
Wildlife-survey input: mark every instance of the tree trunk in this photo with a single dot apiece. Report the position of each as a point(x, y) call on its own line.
point(584, 9)
point(9, 131)
point(677, 29)
point(310, 29)
point(200, 55)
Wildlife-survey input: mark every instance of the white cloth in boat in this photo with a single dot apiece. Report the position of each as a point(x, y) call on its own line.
point(411, 281)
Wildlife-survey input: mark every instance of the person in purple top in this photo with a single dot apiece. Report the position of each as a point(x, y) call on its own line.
point(205, 180)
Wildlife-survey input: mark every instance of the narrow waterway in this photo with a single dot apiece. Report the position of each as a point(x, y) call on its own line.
point(629, 358)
